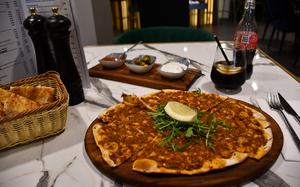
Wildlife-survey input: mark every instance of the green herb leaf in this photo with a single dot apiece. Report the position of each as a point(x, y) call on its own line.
point(174, 147)
point(180, 149)
point(183, 148)
point(189, 132)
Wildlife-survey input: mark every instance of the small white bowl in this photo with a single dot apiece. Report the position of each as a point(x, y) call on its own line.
point(113, 60)
point(172, 70)
point(140, 69)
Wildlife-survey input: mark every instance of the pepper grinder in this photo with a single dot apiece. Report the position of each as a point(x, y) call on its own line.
point(58, 28)
point(35, 26)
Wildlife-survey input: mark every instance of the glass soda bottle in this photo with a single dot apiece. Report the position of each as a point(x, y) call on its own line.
point(246, 38)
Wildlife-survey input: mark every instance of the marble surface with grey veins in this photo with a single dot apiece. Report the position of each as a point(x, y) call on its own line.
point(61, 160)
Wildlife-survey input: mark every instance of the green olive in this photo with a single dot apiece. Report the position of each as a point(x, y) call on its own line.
point(146, 58)
point(137, 61)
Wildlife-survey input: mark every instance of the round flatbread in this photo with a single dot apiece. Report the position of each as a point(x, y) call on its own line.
point(127, 133)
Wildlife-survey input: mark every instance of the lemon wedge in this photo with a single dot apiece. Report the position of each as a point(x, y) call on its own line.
point(180, 111)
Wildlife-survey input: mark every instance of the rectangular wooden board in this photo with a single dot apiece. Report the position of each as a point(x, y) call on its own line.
point(150, 79)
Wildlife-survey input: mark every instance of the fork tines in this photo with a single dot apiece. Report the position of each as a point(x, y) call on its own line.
point(273, 99)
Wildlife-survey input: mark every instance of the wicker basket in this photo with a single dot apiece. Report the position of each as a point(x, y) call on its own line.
point(42, 122)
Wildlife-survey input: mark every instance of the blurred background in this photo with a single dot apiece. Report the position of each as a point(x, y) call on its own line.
point(109, 18)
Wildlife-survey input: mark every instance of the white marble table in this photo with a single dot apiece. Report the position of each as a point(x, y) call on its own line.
point(62, 160)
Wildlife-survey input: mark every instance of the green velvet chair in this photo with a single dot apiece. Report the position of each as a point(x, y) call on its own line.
point(163, 34)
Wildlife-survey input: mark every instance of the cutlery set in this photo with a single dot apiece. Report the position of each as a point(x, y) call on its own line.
point(278, 103)
point(288, 108)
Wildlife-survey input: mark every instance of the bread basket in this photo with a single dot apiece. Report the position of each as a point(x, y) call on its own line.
point(47, 120)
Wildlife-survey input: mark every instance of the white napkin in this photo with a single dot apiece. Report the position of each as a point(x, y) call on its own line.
point(289, 150)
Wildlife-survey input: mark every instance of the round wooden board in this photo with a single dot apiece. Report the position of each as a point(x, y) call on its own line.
point(246, 171)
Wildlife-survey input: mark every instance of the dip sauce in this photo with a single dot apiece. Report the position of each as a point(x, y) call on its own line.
point(172, 67)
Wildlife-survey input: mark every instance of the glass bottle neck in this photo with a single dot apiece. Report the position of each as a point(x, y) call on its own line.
point(249, 11)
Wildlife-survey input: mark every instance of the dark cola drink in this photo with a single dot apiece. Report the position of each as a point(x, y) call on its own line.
point(245, 57)
point(226, 76)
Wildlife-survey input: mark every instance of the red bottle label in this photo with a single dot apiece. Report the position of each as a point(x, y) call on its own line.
point(245, 40)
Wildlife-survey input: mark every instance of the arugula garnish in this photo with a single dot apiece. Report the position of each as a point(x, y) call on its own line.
point(180, 149)
point(192, 130)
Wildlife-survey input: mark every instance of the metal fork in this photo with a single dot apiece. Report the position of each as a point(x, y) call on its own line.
point(274, 103)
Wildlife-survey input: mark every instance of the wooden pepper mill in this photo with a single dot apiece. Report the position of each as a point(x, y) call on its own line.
point(36, 30)
point(58, 28)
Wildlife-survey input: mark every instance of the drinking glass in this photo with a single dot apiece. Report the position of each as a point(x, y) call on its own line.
point(228, 76)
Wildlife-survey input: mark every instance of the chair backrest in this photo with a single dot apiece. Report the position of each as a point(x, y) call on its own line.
point(163, 34)
point(163, 12)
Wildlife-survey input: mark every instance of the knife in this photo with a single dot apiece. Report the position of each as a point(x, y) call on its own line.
point(194, 62)
point(287, 107)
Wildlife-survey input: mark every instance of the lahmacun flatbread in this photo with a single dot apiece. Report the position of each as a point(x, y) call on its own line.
point(126, 132)
point(246, 123)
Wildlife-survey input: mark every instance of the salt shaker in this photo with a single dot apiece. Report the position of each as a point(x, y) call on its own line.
point(58, 28)
point(35, 26)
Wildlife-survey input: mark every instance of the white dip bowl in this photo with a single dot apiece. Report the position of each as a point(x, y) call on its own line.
point(173, 70)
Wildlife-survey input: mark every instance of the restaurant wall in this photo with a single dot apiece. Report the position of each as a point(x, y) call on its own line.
point(94, 21)
point(84, 17)
point(103, 21)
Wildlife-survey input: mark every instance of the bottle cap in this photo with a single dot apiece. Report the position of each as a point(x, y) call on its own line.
point(250, 3)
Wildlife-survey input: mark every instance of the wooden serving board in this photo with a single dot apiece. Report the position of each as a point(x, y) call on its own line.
point(150, 79)
point(237, 174)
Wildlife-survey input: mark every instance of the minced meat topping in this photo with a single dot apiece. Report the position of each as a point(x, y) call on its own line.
point(129, 132)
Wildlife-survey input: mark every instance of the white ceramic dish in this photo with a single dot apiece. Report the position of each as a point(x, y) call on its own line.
point(173, 69)
point(140, 69)
point(113, 60)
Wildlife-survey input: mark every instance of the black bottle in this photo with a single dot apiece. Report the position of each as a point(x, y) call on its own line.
point(58, 29)
point(36, 30)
